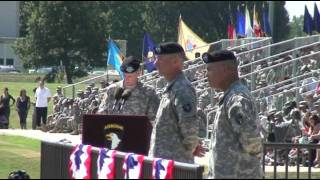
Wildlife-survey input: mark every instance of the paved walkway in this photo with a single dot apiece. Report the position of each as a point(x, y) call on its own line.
point(76, 139)
point(42, 136)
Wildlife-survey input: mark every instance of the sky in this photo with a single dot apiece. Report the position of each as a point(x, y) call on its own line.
point(296, 8)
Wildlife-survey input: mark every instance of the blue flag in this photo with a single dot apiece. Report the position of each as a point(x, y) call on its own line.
point(266, 25)
point(148, 53)
point(241, 24)
point(316, 18)
point(115, 57)
point(308, 22)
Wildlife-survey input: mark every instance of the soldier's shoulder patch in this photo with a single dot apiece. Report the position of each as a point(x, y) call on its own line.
point(187, 107)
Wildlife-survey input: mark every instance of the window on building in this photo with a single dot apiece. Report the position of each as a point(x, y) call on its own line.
point(10, 62)
point(1, 61)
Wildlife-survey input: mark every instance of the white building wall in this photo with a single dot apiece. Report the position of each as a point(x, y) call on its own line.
point(9, 18)
point(9, 31)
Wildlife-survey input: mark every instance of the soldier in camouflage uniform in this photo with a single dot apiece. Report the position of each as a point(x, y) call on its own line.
point(103, 84)
point(134, 98)
point(93, 108)
point(204, 99)
point(236, 145)
point(85, 102)
point(59, 92)
point(279, 101)
point(80, 96)
point(76, 119)
point(175, 133)
point(61, 119)
point(160, 84)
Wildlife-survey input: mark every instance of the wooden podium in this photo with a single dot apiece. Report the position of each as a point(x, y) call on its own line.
point(120, 132)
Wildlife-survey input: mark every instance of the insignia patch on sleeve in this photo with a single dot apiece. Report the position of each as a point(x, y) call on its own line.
point(187, 107)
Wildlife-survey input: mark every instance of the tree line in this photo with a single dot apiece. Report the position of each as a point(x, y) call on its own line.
point(74, 34)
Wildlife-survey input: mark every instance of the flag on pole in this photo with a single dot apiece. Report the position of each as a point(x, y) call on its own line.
point(240, 28)
point(106, 164)
point(308, 22)
point(316, 18)
point(115, 57)
point(249, 31)
point(230, 29)
point(190, 42)
point(266, 25)
point(162, 169)
point(80, 162)
point(234, 33)
point(132, 166)
point(256, 24)
point(148, 53)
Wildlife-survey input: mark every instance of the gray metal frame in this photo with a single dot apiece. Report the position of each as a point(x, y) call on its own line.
point(287, 147)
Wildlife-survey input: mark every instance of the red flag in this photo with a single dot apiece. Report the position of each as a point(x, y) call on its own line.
point(256, 25)
point(230, 31)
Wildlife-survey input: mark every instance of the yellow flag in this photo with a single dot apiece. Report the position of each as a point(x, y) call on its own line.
point(190, 42)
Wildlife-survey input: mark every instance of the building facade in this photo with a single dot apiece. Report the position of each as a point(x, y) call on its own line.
point(9, 31)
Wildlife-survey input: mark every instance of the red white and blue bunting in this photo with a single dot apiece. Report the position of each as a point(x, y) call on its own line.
point(80, 162)
point(132, 166)
point(162, 169)
point(106, 164)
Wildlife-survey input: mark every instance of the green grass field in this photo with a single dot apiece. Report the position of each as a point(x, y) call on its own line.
point(17, 153)
point(14, 90)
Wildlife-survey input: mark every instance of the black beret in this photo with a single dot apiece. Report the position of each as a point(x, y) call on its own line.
point(218, 56)
point(130, 65)
point(168, 48)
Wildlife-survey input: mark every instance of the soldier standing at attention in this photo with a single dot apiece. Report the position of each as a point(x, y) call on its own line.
point(129, 96)
point(236, 146)
point(175, 133)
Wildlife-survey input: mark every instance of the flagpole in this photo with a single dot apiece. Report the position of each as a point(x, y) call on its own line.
point(107, 60)
point(142, 59)
point(271, 15)
point(179, 27)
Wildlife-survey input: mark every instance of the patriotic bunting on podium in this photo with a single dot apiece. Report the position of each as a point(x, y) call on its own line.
point(132, 166)
point(162, 169)
point(106, 164)
point(80, 162)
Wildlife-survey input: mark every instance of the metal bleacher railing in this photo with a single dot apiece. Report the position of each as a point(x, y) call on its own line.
point(259, 58)
point(244, 44)
point(252, 64)
point(277, 147)
point(292, 83)
point(70, 90)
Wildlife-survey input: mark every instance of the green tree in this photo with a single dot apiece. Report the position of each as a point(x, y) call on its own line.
point(73, 33)
point(296, 27)
point(76, 32)
point(208, 19)
point(281, 26)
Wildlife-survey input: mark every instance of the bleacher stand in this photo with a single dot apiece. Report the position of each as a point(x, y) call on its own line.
point(284, 78)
